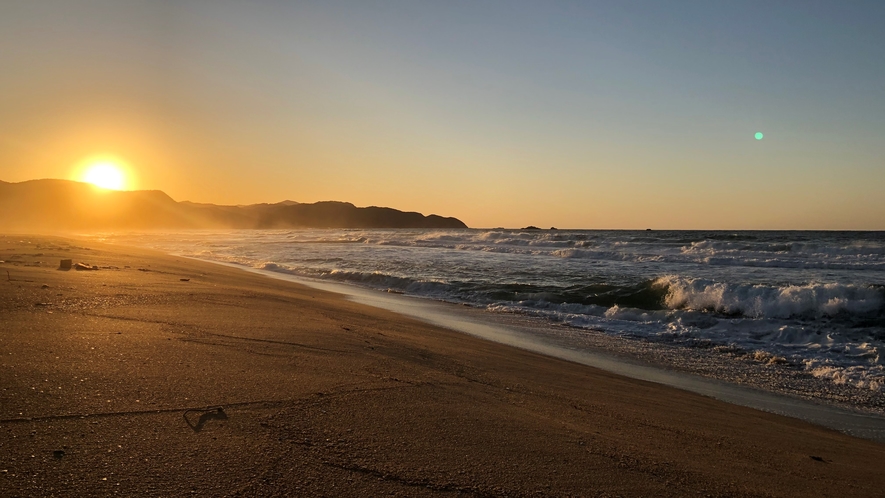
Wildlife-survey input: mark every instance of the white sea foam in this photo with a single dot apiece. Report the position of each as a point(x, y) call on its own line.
point(762, 301)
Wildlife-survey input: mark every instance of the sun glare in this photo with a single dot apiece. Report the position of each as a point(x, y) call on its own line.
point(105, 175)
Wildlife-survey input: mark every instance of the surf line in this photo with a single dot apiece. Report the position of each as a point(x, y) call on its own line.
point(478, 323)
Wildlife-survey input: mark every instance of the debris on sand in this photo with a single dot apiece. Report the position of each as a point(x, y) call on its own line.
point(85, 267)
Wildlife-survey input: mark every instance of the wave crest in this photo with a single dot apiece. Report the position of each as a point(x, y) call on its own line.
point(761, 301)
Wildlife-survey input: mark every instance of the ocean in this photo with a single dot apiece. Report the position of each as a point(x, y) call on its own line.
point(801, 313)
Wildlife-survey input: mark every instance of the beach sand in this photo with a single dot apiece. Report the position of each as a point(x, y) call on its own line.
point(325, 397)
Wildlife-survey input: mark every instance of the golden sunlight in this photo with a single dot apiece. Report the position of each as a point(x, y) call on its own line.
point(105, 173)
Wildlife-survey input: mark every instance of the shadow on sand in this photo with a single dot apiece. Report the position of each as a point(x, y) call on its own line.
point(207, 414)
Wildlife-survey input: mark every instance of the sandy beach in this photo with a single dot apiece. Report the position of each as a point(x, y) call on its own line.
point(161, 376)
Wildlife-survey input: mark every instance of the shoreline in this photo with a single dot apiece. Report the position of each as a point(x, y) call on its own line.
point(796, 358)
point(100, 373)
point(478, 323)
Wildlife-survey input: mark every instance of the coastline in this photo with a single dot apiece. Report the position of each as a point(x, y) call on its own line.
point(324, 396)
point(529, 336)
point(800, 332)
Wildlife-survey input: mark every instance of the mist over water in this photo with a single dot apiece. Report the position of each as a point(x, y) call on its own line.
point(814, 300)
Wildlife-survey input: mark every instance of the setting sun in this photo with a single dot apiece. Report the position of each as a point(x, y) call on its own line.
point(104, 172)
point(105, 175)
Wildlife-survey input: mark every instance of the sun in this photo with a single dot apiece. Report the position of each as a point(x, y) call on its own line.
point(105, 174)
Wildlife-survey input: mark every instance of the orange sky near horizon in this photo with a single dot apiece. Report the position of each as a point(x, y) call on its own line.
point(542, 116)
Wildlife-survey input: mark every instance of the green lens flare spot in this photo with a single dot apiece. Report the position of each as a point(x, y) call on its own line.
point(759, 135)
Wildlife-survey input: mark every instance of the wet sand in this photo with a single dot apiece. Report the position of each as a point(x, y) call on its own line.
point(109, 380)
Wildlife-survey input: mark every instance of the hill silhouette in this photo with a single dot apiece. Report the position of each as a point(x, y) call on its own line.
point(69, 205)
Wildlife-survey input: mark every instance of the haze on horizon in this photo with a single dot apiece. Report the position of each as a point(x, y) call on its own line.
point(620, 114)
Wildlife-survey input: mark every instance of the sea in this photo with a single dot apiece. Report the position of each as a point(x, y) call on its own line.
point(795, 312)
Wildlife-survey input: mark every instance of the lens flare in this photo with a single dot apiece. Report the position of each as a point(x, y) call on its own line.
point(759, 135)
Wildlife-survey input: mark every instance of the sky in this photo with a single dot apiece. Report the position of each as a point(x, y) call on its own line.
point(574, 114)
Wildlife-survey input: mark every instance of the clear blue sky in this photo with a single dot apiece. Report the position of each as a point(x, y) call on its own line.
point(613, 114)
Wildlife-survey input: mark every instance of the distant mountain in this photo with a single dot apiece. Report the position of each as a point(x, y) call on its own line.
point(64, 204)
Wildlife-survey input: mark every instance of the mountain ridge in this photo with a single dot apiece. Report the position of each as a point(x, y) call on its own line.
point(66, 204)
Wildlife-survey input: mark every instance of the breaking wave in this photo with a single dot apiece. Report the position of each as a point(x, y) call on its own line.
point(762, 301)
